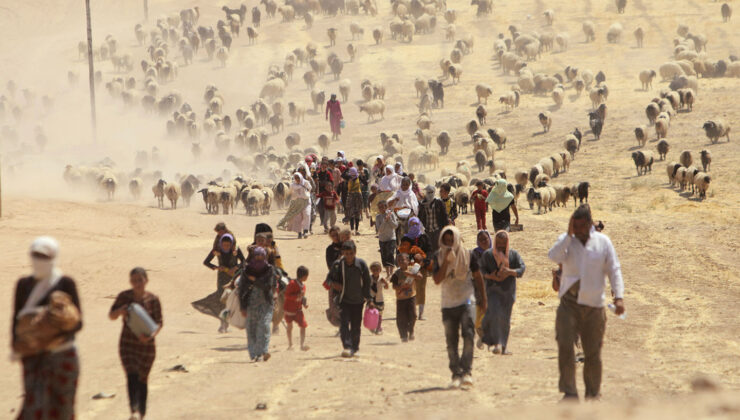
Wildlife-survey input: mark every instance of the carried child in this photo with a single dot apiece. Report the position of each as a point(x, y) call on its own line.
point(404, 283)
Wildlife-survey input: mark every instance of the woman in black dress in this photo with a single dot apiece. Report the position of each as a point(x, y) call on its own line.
point(500, 199)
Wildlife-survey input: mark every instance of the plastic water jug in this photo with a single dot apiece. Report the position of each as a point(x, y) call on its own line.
point(139, 321)
point(371, 318)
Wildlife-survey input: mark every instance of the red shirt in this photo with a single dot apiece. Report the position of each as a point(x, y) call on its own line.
point(479, 199)
point(329, 199)
point(294, 292)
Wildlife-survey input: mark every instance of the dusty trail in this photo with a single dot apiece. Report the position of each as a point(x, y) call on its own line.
point(679, 255)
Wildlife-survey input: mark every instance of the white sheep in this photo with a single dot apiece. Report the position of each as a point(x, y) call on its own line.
point(661, 128)
point(646, 78)
point(670, 70)
point(589, 30)
point(373, 108)
point(545, 197)
point(701, 183)
point(562, 40)
point(344, 88)
point(483, 91)
point(614, 34)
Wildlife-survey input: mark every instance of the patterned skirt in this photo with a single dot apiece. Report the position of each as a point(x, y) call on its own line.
point(211, 304)
point(50, 383)
point(354, 205)
point(136, 357)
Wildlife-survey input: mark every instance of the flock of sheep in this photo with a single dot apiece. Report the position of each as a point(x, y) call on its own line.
point(243, 138)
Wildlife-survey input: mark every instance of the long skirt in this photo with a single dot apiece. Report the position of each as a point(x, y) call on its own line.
point(354, 205)
point(259, 318)
point(497, 321)
point(381, 196)
point(335, 123)
point(50, 384)
point(298, 217)
point(211, 304)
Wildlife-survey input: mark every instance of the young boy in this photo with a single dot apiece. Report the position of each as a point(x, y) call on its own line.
point(479, 204)
point(404, 283)
point(330, 198)
point(444, 194)
point(376, 292)
point(386, 223)
point(295, 301)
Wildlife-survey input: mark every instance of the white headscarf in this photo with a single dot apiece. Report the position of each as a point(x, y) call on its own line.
point(390, 182)
point(407, 199)
point(46, 273)
point(300, 189)
point(460, 266)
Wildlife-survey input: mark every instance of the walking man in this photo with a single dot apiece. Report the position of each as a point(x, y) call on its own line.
point(350, 277)
point(586, 256)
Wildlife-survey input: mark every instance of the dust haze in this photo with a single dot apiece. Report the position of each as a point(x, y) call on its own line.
point(678, 252)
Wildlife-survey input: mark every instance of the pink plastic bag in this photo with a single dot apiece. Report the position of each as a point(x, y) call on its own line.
point(371, 318)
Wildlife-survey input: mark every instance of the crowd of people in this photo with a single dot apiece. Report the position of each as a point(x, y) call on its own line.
point(417, 239)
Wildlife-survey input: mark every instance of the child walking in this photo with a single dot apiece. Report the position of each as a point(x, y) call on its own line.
point(404, 283)
point(377, 285)
point(330, 198)
point(386, 223)
point(479, 197)
point(295, 301)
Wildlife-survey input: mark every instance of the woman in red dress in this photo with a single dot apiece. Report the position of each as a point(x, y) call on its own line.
point(334, 115)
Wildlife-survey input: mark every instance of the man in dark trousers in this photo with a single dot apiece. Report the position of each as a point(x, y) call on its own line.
point(350, 277)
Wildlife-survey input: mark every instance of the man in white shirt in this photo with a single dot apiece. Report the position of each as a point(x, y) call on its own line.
point(587, 256)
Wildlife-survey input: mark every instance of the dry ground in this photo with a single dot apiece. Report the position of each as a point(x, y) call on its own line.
point(679, 255)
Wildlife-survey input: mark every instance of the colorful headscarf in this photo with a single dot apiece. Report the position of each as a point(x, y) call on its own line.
point(416, 229)
point(255, 264)
point(353, 174)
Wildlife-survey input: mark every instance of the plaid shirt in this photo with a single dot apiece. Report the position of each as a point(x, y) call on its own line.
point(429, 215)
point(137, 357)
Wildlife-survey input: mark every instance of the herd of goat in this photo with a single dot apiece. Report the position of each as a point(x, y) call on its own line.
point(243, 140)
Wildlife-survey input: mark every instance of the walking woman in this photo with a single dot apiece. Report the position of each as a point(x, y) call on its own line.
point(353, 208)
point(298, 216)
point(333, 253)
point(48, 352)
point(387, 186)
point(500, 199)
point(257, 297)
point(229, 259)
point(137, 352)
point(334, 115)
point(485, 243)
point(418, 241)
point(500, 267)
